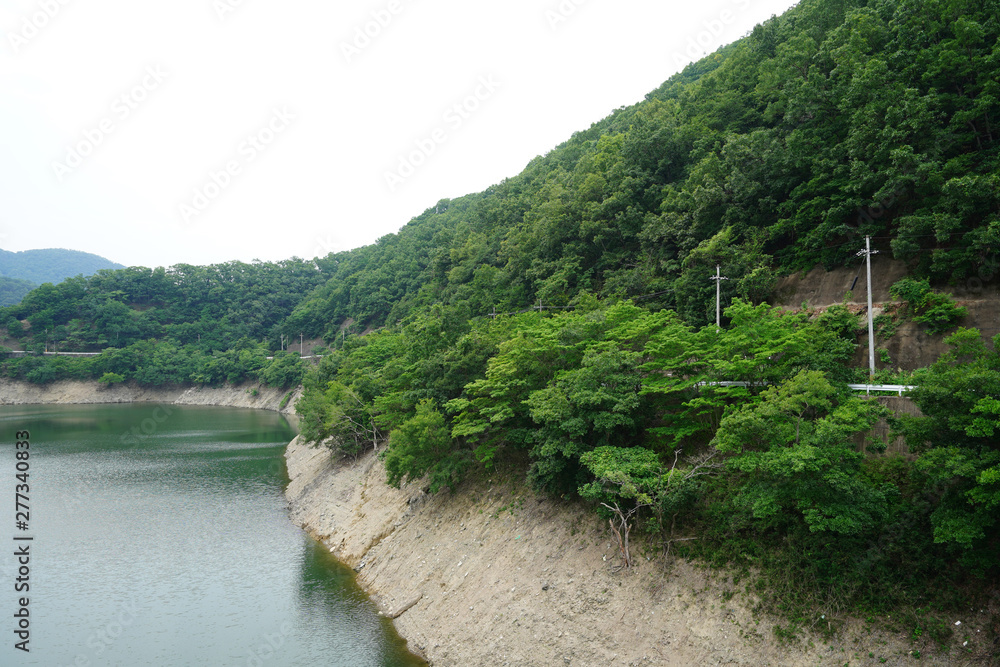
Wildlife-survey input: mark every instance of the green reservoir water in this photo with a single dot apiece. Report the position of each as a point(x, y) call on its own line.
point(161, 538)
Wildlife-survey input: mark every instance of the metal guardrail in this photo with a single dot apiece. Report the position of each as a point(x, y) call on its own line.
point(57, 354)
point(867, 388)
point(893, 388)
point(308, 356)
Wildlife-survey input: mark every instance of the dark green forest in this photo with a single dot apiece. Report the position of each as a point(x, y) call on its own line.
point(186, 324)
point(562, 322)
point(12, 290)
point(837, 120)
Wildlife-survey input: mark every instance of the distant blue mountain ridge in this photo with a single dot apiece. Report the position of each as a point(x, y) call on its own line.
point(20, 272)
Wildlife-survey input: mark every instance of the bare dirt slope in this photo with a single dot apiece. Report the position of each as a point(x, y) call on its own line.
point(498, 576)
point(911, 347)
point(74, 392)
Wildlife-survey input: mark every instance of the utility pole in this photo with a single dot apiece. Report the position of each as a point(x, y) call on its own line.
point(301, 345)
point(868, 252)
point(718, 278)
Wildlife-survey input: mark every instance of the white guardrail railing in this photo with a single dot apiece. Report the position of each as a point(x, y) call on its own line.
point(867, 388)
point(56, 354)
point(894, 388)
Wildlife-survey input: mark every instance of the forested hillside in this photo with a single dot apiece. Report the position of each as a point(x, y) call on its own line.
point(836, 120)
point(185, 324)
point(12, 290)
point(562, 322)
point(51, 265)
point(20, 272)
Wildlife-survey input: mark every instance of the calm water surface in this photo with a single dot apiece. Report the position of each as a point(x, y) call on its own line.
point(161, 538)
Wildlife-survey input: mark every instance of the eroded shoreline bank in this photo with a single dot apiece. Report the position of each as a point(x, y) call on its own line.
point(73, 392)
point(496, 575)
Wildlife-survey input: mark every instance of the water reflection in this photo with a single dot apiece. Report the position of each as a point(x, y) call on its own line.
point(175, 548)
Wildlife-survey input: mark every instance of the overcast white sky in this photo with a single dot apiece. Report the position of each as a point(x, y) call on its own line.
point(201, 131)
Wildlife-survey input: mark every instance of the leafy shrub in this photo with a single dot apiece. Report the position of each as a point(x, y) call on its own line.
point(885, 326)
point(910, 291)
point(285, 370)
point(109, 379)
point(42, 374)
point(841, 321)
point(423, 444)
point(938, 311)
point(339, 418)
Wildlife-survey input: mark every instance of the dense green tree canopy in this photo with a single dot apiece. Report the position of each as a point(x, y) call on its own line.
point(838, 119)
point(563, 320)
point(957, 437)
point(203, 324)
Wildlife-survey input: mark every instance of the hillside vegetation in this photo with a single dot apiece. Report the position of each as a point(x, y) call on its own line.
point(185, 324)
point(563, 320)
point(51, 265)
point(12, 290)
point(837, 120)
point(20, 272)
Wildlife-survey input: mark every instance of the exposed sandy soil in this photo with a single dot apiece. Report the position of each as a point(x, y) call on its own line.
point(70, 392)
point(499, 576)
